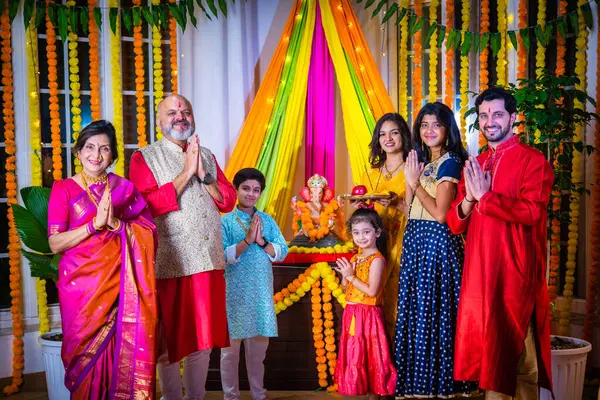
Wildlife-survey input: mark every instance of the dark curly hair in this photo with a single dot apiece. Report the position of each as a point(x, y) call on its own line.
point(377, 156)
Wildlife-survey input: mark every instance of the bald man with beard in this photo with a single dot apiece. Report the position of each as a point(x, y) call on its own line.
point(186, 192)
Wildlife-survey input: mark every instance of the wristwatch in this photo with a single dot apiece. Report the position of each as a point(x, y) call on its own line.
point(208, 179)
point(264, 245)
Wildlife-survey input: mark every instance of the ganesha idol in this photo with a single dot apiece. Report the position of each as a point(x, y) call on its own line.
point(318, 220)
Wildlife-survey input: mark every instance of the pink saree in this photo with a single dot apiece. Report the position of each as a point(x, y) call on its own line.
point(107, 293)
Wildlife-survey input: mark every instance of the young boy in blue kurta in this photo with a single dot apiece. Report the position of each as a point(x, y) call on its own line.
point(252, 240)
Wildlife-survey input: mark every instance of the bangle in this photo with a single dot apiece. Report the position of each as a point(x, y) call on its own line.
point(96, 228)
point(90, 228)
point(117, 228)
point(469, 201)
point(245, 241)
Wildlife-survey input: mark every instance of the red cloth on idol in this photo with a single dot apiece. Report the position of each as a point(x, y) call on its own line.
point(192, 307)
point(504, 277)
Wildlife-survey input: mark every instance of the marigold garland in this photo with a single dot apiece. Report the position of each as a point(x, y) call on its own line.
point(158, 79)
point(330, 346)
point(94, 52)
point(540, 54)
point(433, 54)
point(35, 133)
point(56, 141)
point(464, 73)
point(42, 300)
point(318, 334)
point(417, 75)
point(576, 177)
point(484, 73)
point(330, 212)
point(139, 82)
point(449, 70)
point(173, 52)
point(8, 113)
point(74, 85)
point(117, 93)
point(522, 54)
point(561, 42)
point(592, 289)
point(502, 28)
point(403, 66)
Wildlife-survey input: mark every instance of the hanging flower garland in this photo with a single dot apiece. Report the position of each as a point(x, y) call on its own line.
point(35, 133)
point(502, 28)
point(318, 334)
point(8, 113)
point(158, 79)
point(576, 176)
point(464, 73)
point(173, 52)
point(294, 291)
point(94, 52)
point(403, 66)
point(433, 55)
point(56, 141)
point(522, 51)
point(328, 324)
point(417, 75)
point(139, 82)
point(74, 85)
point(484, 73)
point(117, 93)
point(331, 212)
point(449, 70)
point(592, 290)
point(561, 43)
point(540, 54)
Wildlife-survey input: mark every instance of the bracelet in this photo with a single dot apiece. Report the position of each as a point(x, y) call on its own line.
point(469, 201)
point(95, 228)
point(245, 241)
point(117, 228)
point(416, 186)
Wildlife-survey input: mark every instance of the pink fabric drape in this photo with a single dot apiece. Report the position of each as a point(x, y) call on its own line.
point(320, 109)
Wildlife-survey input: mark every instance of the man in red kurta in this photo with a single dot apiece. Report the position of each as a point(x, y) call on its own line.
point(186, 191)
point(503, 327)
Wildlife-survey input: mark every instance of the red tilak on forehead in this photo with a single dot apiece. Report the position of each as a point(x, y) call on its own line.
point(489, 110)
point(179, 104)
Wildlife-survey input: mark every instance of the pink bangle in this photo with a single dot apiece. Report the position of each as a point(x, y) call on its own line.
point(91, 228)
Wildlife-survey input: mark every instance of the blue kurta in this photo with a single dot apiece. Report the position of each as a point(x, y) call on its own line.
point(249, 278)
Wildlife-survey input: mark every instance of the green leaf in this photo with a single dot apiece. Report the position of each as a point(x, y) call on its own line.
point(476, 41)
point(466, 45)
point(176, 14)
point(183, 12)
point(586, 10)
point(84, 17)
point(98, 17)
point(192, 11)
point(574, 20)
point(548, 31)
point(1, 7)
point(126, 18)
point(525, 36)
point(401, 15)
point(369, 3)
point(42, 266)
point(457, 40)
point(496, 43)
point(390, 13)
point(63, 22)
point(539, 34)
point(113, 15)
point(156, 17)
point(485, 38)
point(28, 8)
point(31, 232)
point(378, 8)
point(561, 25)
point(450, 40)
point(513, 39)
point(417, 26)
point(199, 2)
point(441, 36)
point(36, 200)
point(411, 23)
point(148, 15)
point(163, 12)
point(13, 9)
point(40, 14)
point(430, 32)
point(53, 14)
point(223, 7)
point(137, 16)
point(73, 19)
point(213, 8)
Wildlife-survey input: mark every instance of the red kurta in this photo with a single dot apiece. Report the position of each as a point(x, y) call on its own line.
point(504, 277)
point(188, 326)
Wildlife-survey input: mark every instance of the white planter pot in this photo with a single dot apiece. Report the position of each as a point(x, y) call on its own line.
point(568, 371)
point(55, 370)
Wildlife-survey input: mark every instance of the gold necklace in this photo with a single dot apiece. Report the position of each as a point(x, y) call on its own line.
point(389, 175)
point(93, 180)
point(241, 223)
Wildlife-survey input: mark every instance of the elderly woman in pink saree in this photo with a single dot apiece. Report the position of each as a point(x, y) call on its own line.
point(107, 290)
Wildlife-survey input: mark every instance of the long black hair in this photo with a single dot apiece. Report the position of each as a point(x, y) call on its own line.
point(377, 156)
point(369, 215)
point(445, 117)
point(99, 127)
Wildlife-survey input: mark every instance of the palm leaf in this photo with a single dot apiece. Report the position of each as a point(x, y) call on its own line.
point(31, 232)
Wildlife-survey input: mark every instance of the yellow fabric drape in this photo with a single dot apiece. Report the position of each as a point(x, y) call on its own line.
point(279, 190)
point(253, 132)
point(358, 135)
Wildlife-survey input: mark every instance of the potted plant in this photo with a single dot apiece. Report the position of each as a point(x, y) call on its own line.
point(32, 225)
point(550, 121)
